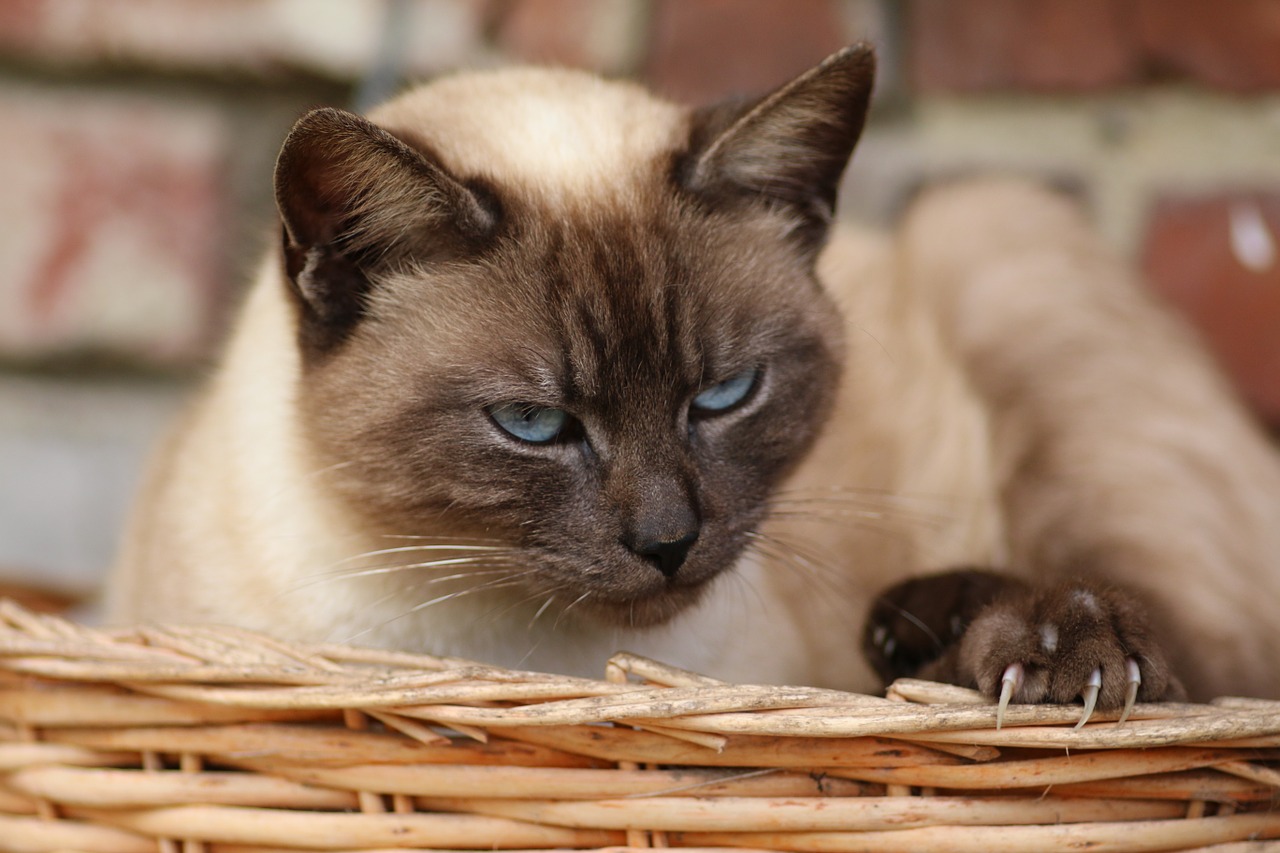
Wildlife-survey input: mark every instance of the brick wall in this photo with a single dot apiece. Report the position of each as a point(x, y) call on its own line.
point(1165, 112)
point(138, 138)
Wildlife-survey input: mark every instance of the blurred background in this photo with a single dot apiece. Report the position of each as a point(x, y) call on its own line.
point(137, 139)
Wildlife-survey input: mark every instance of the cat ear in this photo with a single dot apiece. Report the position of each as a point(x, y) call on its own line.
point(354, 199)
point(789, 147)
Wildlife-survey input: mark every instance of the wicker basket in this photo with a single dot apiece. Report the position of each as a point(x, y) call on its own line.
point(222, 741)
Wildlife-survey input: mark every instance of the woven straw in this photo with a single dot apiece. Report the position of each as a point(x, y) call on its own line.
point(225, 741)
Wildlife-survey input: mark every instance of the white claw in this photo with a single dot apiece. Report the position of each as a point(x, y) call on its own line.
point(1009, 684)
point(1090, 695)
point(1131, 692)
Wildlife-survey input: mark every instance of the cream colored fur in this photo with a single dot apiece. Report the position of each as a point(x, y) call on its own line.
point(1010, 399)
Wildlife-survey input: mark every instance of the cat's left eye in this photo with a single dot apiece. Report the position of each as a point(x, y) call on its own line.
point(527, 422)
point(723, 396)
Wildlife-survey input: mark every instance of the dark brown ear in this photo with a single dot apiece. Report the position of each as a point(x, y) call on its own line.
point(790, 147)
point(355, 199)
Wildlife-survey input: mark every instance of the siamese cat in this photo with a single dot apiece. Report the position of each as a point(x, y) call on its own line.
point(546, 367)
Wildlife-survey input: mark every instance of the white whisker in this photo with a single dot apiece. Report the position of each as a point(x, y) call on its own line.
point(402, 592)
point(743, 582)
point(483, 563)
point(501, 583)
point(543, 609)
point(495, 616)
point(572, 604)
point(807, 566)
point(884, 496)
point(409, 549)
point(809, 559)
point(878, 512)
point(915, 620)
point(465, 540)
point(884, 526)
point(835, 508)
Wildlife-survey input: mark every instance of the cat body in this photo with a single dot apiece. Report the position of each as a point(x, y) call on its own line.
point(548, 368)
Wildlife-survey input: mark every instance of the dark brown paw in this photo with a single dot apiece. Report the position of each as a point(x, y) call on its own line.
point(1016, 643)
point(915, 626)
point(1078, 639)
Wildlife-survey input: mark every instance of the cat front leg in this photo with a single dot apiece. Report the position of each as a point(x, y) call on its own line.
point(1116, 443)
point(1077, 639)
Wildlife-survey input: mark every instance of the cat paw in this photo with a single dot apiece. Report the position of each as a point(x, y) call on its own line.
point(1075, 640)
point(914, 626)
point(1017, 643)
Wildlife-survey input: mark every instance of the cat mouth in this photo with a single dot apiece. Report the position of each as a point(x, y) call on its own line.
point(624, 591)
point(638, 597)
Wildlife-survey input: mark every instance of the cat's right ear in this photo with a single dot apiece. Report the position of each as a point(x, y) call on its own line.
point(353, 199)
point(788, 149)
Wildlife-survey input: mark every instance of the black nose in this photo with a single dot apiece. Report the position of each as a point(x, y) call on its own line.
point(666, 554)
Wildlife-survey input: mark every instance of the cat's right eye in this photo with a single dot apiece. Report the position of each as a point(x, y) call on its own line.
point(527, 422)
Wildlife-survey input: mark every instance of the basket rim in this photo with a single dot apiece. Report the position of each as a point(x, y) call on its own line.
point(235, 668)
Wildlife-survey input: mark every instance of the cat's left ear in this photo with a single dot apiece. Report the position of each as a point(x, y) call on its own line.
point(789, 148)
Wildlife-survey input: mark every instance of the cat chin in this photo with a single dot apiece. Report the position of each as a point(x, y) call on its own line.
point(645, 611)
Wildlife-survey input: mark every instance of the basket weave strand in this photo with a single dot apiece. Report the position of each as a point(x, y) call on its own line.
point(206, 740)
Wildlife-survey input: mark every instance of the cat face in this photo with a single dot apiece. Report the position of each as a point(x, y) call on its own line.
point(609, 371)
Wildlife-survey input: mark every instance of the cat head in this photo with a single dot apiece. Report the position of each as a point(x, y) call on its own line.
point(540, 307)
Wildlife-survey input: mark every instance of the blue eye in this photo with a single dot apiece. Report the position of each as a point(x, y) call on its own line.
point(527, 422)
point(725, 395)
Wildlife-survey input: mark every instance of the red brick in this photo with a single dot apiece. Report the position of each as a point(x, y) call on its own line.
point(1234, 299)
point(702, 50)
point(601, 35)
point(1026, 45)
point(1231, 45)
point(22, 21)
point(1088, 45)
point(546, 31)
point(114, 225)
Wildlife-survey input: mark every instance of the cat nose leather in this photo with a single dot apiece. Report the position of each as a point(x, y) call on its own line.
point(660, 518)
point(666, 554)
